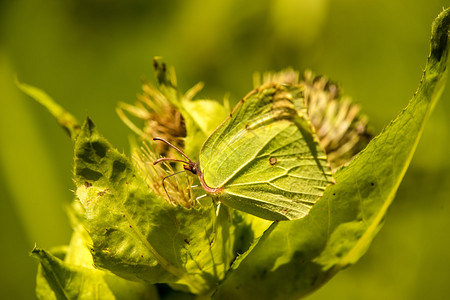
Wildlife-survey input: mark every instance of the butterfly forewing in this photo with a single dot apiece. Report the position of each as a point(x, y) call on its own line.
point(265, 156)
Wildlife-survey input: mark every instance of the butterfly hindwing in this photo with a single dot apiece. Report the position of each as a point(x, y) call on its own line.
point(265, 158)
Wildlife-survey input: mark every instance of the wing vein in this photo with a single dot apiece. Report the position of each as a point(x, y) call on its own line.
point(271, 203)
point(249, 160)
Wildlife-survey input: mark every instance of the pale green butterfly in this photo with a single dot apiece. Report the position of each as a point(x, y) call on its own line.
point(264, 159)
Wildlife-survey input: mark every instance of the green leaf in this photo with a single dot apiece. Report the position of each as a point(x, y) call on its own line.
point(65, 119)
point(139, 236)
point(294, 258)
point(68, 273)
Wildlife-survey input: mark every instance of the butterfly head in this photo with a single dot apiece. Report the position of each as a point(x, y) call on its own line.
point(191, 167)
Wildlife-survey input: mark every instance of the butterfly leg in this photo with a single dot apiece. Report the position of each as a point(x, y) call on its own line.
point(164, 186)
point(200, 197)
point(216, 220)
point(215, 224)
point(218, 209)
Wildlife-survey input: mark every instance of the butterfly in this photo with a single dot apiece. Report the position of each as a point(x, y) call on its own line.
point(264, 158)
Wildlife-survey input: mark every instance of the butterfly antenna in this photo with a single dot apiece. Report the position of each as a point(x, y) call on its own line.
point(169, 159)
point(174, 147)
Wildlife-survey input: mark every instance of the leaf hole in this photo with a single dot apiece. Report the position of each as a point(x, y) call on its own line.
point(99, 148)
point(89, 174)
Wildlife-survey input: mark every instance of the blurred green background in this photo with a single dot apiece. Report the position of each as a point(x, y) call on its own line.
point(90, 54)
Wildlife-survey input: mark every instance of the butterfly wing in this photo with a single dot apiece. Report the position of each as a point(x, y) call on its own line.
point(265, 157)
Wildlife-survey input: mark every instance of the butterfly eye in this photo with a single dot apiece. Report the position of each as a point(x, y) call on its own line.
point(191, 167)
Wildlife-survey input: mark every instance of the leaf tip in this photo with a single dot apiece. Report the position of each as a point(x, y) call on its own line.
point(439, 34)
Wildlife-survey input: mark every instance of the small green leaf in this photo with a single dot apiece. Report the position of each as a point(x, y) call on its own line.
point(294, 258)
point(65, 119)
point(68, 273)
